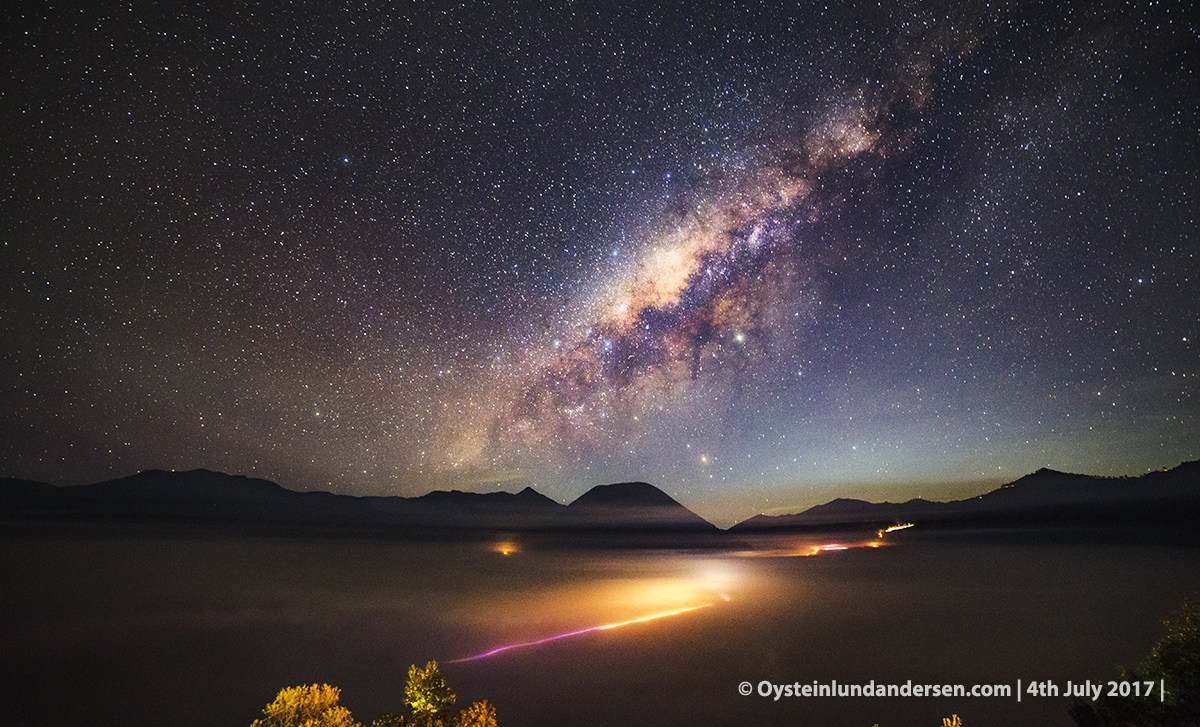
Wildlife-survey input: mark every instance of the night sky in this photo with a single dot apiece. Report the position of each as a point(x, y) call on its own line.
point(760, 255)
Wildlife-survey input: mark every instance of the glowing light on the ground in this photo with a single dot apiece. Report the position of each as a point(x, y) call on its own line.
point(895, 527)
point(824, 548)
point(605, 627)
point(505, 548)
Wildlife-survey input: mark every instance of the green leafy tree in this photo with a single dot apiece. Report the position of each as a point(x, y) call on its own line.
point(315, 706)
point(427, 694)
point(1175, 663)
point(429, 699)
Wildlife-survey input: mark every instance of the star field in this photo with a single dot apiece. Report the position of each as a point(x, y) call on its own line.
point(760, 255)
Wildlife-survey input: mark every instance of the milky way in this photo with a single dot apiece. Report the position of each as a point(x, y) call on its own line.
point(729, 283)
point(759, 256)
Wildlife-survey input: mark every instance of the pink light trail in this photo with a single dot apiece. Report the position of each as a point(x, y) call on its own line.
point(605, 627)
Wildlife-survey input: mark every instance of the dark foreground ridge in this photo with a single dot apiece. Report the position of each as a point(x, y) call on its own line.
point(1046, 498)
point(214, 498)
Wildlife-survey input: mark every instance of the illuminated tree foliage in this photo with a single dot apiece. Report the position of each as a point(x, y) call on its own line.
point(314, 706)
point(480, 714)
point(427, 693)
point(429, 699)
point(1175, 662)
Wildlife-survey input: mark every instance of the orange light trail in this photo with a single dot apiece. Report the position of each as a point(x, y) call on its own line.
point(605, 627)
point(895, 527)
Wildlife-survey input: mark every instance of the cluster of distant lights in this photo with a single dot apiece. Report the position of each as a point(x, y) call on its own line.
point(878, 542)
point(508, 547)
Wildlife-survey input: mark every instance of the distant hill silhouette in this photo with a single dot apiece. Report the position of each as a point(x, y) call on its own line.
point(210, 497)
point(1046, 497)
point(1169, 498)
point(634, 506)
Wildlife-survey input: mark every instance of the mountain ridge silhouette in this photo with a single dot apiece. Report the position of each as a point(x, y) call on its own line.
point(1045, 497)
